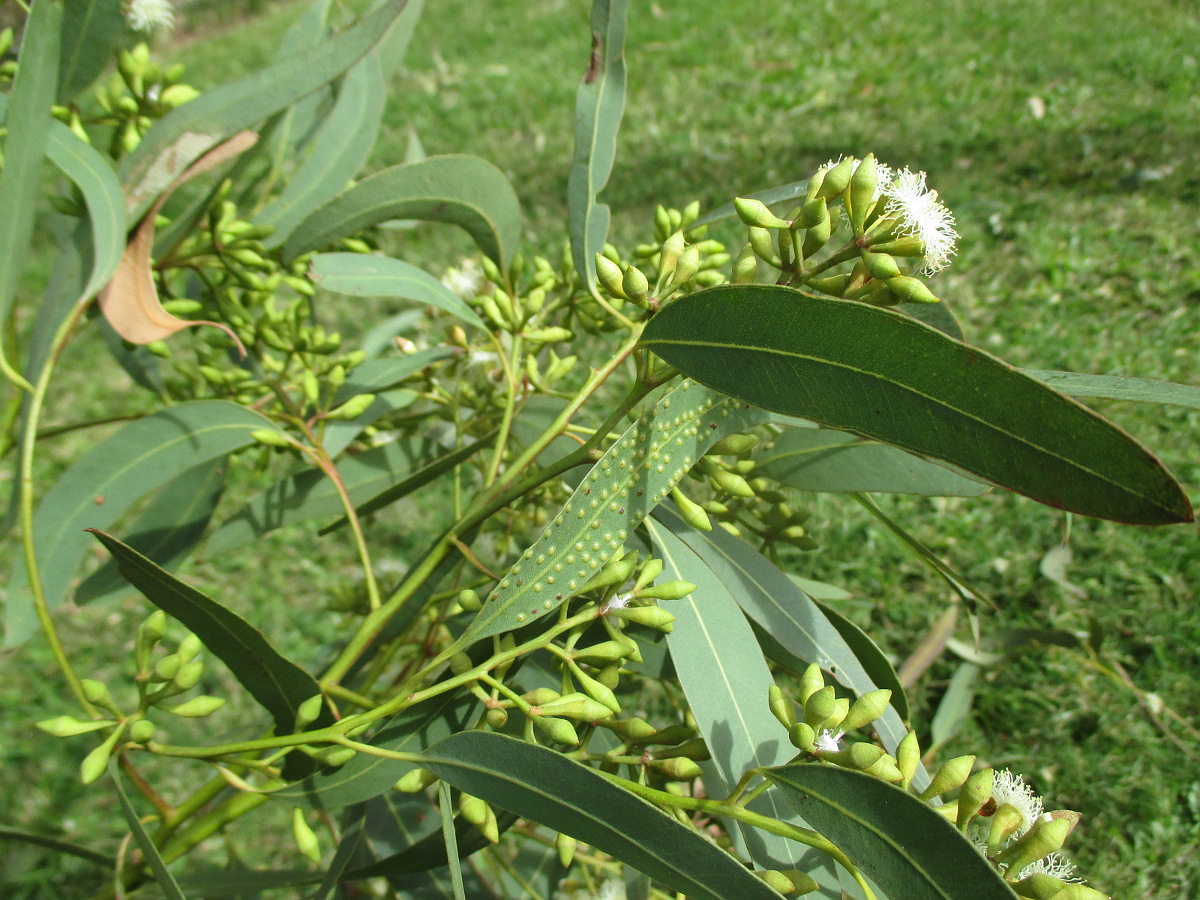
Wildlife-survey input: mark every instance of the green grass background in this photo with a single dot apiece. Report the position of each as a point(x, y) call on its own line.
point(1079, 251)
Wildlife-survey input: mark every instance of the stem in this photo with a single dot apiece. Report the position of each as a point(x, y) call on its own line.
point(28, 443)
point(506, 419)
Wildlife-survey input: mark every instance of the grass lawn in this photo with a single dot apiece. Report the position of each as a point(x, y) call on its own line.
point(1063, 137)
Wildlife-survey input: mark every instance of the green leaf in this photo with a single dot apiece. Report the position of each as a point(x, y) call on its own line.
point(311, 495)
point(889, 378)
point(181, 136)
point(599, 105)
point(277, 683)
point(905, 847)
point(784, 611)
point(726, 680)
point(1120, 387)
point(166, 881)
point(954, 709)
point(821, 459)
point(360, 275)
point(101, 193)
point(337, 151)
point(539, 784)
point(877, 666)
point(90, 31)
point(460, 190)
point(339, 435)
point(381, 374)
point(450, 840)
point(33, 93)
point(632, 477)
point(418, 478)
point(98, 489)
point(347, 846)
point(167, 530)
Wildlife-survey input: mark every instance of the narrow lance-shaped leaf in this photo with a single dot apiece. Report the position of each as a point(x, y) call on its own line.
point(1120, 387)
point(887, 377)
point(32, 95)
point(360, 275)
point(599, 105)
point(91, 29)
point(98, 489)
point(166, 881)
point(546, 787)
point(632, 477)
point(174, 141)
point(905, 847)
point(460, 190)
point(277, 683)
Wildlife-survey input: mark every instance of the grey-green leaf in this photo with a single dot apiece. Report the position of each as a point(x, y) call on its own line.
point(910, 851)
point(460, 190)
point(546, 787)
point(887, 377)
point(632, 477)
point(360, 275)
point(90, 31)
point(1120, 387)
point(599, 105)
point(821, 459)
point(135, 461)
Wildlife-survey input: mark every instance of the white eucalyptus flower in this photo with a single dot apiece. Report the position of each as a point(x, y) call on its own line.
point(923, 216)
point(618, 601)
point(1055, 865)
point(150, 15)
point(827, 741)
point(613, 889)
point(1012, 789)
point(465, 280)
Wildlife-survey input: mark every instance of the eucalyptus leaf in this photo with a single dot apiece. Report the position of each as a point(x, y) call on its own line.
point(599, 106)
point(459, 190)
point(338, 435)
point(360, 275)
point(954, 709)
point(1120, 387)
point(90, 31)
point(546, 787)
point(106, 481)
point(166, 881)
point(910, 851)
point(887, 377)
point(381, 374)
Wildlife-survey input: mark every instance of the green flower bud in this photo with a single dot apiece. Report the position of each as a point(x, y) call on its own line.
point(802, 882)
point(811, 681)
point(859, 755)
point(745, 267)
point(1005, 822)
point(605, 651)
point(69, 726)
point(672, 250)
point(189, 675)
point(863, 184)
point(802, 735)
point(904, 246)
point(671, 735)
point(693, 513)
point(834, 285)
point(142, 731)
point(1045, 837)
point(415, 781)
point(551, 335)
point(97, 692)
point(722, 479)
point(577, 706)
point(1041, 886)
point(308, 711)
point(908, 758)
point(166, 668)
point(689, 265)
point(333, 756)
point(1079, 891)
point(198, 707)
point(662, 222)
point(976, 792)
point(651, 570)
point(755, 212)
point(558, 730)
point(734, 444)
point(668, 590)
point(351, 409)
point(96, 762)
point(817, 236)
point(270, 438)
point(306, 838)
point(677, 768)
point(149, 633)
point(565, 845)
point(541, 696)
point(911, 290)
point(497, 718)
point(837, 179)
point(764, 246)
point(597, 690)
point(616, 571)
point(951, 775)
point(473, 809)
point(880, 265)
point(6, 40)
point(866, 709)
point(820, 706)
point(833, 721)
point(460, 663)
point(469, 600)
point(781, 706)
point(610, 676)
point(778, 882)
point(650, 616)
point(635, 285)
point(634, 729)
point(885, 769)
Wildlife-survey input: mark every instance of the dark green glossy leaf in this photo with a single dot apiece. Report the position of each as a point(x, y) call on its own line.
point(28, 122)
point(166, 881)
point(180, 137)
point(783, 610)
point(98, 489)
point(311, 495)
point(546, 787)
point(90, 31)
point(821, 459)
point(1120, 387)
point(632, 477)
point(726, 680)
point(167, 530)
point(337, 151)
point(418, 478)
point(905, 847)
point(360, 275)
point(599, 105)
point(890, 378)
point(459, 190)
point(277, 683)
